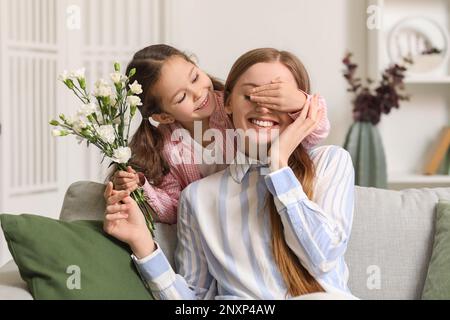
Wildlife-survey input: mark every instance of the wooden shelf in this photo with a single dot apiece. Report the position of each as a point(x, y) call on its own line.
point(427, 80)
point(418, 178)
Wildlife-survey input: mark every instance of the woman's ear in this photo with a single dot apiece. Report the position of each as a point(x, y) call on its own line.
point(163, 118)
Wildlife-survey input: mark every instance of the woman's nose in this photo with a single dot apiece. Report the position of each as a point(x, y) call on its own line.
point(262, 109)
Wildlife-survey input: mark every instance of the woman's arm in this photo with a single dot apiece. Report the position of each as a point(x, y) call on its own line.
point(194, 280)
point(317, 231)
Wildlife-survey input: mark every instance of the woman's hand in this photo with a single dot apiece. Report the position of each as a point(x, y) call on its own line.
point(126, 222)
point(126, 180)
point(279, 95)
point(284, 145)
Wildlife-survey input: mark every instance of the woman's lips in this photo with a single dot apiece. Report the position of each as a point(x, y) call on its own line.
point(263, 123)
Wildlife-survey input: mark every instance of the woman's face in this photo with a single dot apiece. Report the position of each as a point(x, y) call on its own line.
point(249, 116)
point(185, 92)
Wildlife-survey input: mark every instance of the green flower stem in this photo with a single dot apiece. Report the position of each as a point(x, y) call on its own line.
point(100, 104)
point(128, 129)
point(138, 196)
point(81, 98)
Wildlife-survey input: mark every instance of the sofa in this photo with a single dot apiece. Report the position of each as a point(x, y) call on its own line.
point(387, 256)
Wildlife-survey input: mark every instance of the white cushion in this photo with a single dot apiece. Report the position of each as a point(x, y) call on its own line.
point(12, 287)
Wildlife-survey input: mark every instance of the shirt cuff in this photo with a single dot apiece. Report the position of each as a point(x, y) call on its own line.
point(155, 269)
point(285, 187)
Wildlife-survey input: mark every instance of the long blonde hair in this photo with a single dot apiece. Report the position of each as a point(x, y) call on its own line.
point(297, 279)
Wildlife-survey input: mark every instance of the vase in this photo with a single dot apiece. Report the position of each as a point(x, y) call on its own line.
point(364, 143)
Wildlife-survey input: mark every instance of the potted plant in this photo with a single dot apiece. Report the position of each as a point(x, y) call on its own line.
point(363, 140)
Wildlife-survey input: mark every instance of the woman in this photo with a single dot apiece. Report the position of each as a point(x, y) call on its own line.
point(254, 230)
point(177, 94)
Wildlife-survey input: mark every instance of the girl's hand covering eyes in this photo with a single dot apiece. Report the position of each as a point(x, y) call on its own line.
point(279, 95)
point(282, 148)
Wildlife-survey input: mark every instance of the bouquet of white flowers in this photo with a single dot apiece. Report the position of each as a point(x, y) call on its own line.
point(104, 120)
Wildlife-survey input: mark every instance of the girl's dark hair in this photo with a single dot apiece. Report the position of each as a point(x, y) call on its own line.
point(297, 279)
point(147, 143)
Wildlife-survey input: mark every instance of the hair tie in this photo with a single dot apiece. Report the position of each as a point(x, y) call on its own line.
point(153, 122)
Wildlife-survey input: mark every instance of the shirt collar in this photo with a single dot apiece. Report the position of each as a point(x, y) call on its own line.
point(242, 164)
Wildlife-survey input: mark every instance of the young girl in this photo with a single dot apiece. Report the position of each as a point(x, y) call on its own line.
point(176, 93)
point(257, 234)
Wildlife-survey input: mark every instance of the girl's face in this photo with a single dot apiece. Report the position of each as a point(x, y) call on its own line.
point(249, 116)
point(186, 92)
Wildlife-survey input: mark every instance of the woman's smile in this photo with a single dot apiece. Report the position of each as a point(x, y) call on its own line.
point(263, 123)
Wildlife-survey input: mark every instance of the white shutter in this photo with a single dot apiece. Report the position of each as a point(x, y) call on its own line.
point(29, 154)
point(115, 29)
point(36, 44)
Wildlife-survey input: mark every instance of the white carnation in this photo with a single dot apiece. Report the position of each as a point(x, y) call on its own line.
point(106, 133)
point(116, 77)
point(102, 89)
point(63, 76)
point(136, 88)
point(78, 124)
point(134, 101)
point(87, 109)
point(100, 83)
point(77, 74)
point(121, 155)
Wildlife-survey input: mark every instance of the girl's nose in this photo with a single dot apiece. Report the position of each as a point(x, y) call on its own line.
point(197, 93)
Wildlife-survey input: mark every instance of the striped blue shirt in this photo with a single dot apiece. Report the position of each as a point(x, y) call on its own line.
point(224, 232)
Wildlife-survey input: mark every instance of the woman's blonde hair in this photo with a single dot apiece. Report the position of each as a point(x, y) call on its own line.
point(297, 279)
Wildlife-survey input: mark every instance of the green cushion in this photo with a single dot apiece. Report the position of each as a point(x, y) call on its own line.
point(437, 283)
point(71, 260)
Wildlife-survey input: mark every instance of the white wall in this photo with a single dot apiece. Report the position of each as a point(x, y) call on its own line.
point(319, 32)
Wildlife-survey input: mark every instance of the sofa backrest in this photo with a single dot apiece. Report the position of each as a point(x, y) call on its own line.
point(389, 248)
point(391, 241)
point(84, 201)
